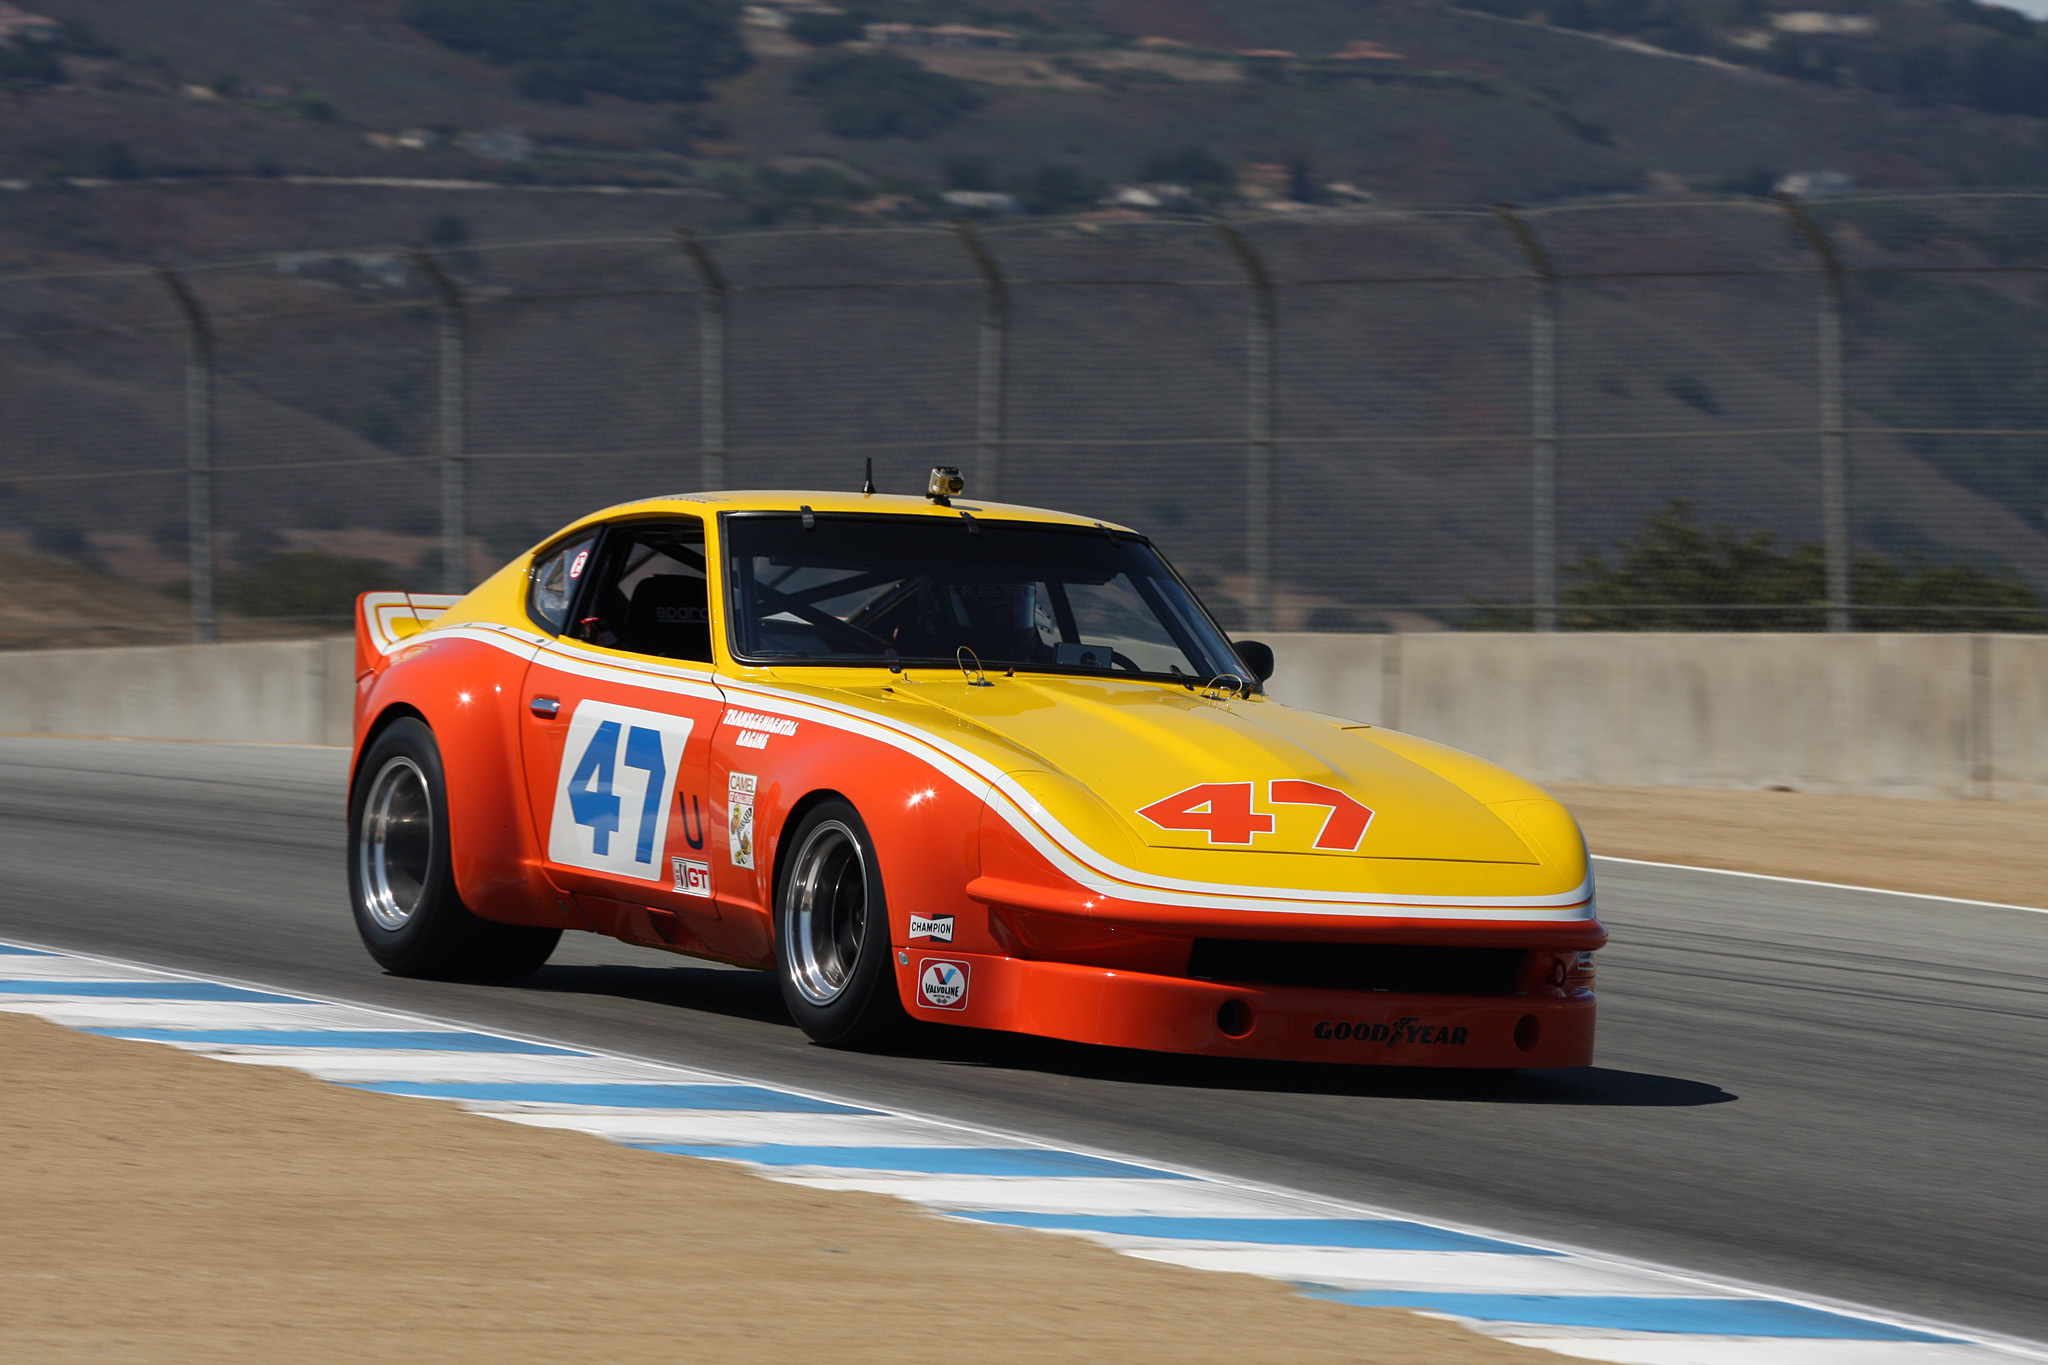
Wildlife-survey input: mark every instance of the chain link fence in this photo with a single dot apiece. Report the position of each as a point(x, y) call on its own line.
point(1358, 421)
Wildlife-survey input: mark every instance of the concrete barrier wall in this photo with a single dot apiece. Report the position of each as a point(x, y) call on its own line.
point(275, 692)
point(1906, 715)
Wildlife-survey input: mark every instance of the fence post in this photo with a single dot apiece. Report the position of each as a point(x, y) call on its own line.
point(1834, 458)
point(1259, 426)
point(710, 362)
point(1542, 419)
point(199, 366)
point(451, 435)
point(995, 340)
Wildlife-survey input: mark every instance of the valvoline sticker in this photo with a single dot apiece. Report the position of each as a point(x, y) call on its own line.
point(942, 983)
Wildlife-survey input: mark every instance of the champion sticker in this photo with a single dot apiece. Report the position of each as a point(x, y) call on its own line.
point(739, 817)
point(939, 927)
point(942, 984)
point(576, 567)
point(692, 878)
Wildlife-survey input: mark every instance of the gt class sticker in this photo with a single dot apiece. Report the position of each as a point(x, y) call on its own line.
point(692, 878)
point(612, 794)
point(1223, 811)
point(942, 984)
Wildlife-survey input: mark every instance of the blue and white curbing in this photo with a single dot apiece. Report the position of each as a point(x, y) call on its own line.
point(1571, 1302)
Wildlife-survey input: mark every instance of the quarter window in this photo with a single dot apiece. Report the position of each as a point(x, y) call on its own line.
point(555, 576)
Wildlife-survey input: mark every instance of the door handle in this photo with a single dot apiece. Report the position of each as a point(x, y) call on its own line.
point(544, 707)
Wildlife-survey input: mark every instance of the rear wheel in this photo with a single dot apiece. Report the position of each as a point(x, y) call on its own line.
point(400, 877)
point(832, 933)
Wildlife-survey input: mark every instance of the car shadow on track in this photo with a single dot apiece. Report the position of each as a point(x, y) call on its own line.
point(755, 996)
point(1597, 1086)
point(738, 994)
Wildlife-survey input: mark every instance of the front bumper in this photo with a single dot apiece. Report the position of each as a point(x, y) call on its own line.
point(1120, 1008)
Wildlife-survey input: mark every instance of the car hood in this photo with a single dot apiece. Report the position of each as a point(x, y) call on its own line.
point(1172, 770)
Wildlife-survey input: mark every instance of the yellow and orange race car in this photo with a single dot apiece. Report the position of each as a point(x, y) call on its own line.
point(964, 763)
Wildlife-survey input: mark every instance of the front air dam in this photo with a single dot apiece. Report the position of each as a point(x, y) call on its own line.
point(1175, 1014)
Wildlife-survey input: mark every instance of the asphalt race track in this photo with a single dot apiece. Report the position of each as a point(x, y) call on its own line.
point(1838, 1093)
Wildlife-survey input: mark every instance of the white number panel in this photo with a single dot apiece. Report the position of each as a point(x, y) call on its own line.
point(616, 788)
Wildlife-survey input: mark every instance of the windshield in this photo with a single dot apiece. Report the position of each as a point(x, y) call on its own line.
point(888, 589)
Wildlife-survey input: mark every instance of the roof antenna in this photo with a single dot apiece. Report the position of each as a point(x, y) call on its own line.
point(867, 481)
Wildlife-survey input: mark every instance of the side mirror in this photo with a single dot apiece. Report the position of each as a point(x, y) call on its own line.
point(1256, 656)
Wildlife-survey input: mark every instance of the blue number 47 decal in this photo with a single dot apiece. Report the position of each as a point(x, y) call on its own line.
point(598, 795)
point(590, 787)
point(592, 799)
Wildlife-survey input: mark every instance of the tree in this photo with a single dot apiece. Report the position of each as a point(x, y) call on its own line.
point(1675, 575)
point(637, 49)
point(1195, 167)
point(825, 30)
point(885, 94)
point(305, 584)
point(1059, 189)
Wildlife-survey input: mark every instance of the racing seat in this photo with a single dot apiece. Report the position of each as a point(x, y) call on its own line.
point(669, 616)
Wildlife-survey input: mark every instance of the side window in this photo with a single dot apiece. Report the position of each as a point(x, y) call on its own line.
point(651, 596)
point(554, 579)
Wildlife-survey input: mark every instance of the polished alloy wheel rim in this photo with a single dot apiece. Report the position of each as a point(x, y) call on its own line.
point(397, 842)
point(828, 911)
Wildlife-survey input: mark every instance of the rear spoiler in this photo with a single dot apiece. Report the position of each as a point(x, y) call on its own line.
point(386, 620)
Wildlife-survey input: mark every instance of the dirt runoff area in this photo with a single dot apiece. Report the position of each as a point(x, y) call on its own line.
point(1976, 850)
point(166, 1207)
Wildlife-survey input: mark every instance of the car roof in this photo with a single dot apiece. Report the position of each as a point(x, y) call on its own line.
point(819, 500)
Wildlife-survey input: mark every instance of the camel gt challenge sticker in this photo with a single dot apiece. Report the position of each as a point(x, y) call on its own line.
point(739, 817)
point(942, 984)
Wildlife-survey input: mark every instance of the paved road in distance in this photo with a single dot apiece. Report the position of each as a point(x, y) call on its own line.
point(1838, 1093)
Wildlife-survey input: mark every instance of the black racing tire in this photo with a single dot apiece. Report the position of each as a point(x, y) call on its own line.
point(832, 932)
point(401, 882)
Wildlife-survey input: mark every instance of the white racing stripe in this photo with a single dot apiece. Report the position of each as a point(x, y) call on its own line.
point(1571, 1303)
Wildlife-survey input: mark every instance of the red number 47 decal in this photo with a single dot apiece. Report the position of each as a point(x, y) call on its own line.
point(1223, 810)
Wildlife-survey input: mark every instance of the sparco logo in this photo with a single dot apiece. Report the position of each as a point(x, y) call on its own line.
point(1409, 1030)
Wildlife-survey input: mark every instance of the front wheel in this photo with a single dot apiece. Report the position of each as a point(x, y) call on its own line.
point(832, 933)
point(401, 880)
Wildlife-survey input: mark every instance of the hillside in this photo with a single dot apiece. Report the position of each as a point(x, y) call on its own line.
point(1412, 101)
point(300, 141)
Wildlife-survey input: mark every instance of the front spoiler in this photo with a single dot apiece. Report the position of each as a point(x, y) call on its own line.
point(1116, 1008)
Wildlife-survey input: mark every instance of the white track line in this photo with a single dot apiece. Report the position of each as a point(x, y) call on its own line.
point(1830, 886)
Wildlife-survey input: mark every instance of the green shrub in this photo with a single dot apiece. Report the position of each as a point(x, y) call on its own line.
point(825, 30)
point(885, 94)
point(1195, 167)
point(1660, 577)
point(1059, 189)
point(637, 49)
point(305, 584)
point(28, 66)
